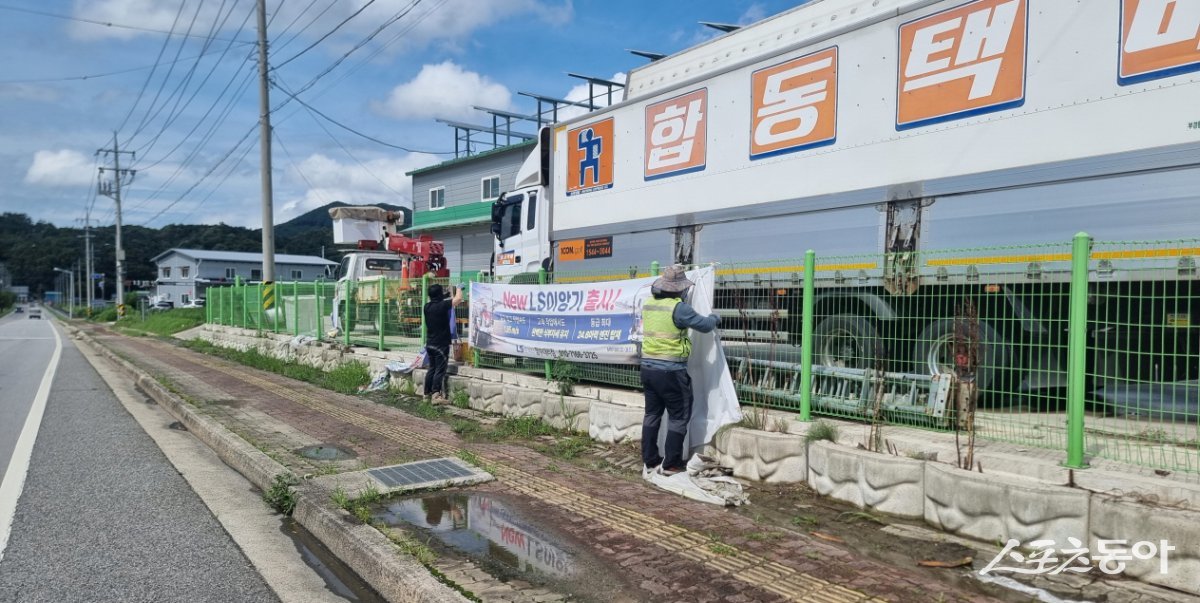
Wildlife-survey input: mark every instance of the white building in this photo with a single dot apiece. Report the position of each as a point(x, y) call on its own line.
point(185, 274)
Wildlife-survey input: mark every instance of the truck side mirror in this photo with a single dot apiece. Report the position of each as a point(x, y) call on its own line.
point(496, 229)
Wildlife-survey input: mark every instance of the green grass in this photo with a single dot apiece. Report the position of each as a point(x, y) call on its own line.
point(805, 521)
point(345, 379)
point(163, 323)
point(108, 314)
point(821, 430)
point(465, 428)
point(281, 496)
point(524, 427)
point(569, 447)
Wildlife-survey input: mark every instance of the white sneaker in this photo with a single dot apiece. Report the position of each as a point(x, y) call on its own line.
point(648, 471)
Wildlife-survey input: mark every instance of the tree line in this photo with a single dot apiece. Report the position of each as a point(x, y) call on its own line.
point(32, 249)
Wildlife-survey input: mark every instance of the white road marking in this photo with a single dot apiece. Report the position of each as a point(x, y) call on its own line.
point(18, 465)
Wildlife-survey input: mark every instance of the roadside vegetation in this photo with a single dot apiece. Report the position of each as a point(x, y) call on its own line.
point(163, 323)
point(346, 378)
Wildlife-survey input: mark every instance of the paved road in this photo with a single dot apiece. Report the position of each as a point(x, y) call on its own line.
point(103, 515)
point(25, 348)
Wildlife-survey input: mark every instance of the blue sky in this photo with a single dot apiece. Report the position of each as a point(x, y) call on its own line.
point(184, 100)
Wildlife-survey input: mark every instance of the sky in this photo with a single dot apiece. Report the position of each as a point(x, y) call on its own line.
point(176, 81)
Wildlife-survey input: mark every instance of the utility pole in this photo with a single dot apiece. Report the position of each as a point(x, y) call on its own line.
point(113, 190)
point(268, 210)
point(87, 260)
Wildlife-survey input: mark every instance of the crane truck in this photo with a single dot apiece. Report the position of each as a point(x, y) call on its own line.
point(882, 130)
point(382, 262)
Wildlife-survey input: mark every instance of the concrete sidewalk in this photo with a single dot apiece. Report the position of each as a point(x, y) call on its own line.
point(646, 544)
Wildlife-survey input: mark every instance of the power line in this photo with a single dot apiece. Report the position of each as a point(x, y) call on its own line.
point(177, 111)
point(150, 111)
point(204, 176)
point(279, 85)
point(157, 60)
point(95, 22)
point(327, 34)
point(108, 74)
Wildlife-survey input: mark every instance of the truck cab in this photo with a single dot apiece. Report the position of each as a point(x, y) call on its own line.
point(521, 219)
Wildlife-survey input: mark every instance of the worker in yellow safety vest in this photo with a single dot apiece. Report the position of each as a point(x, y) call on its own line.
point(666, 319)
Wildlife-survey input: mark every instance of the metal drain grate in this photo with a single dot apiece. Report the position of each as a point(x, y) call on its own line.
point(423, 472)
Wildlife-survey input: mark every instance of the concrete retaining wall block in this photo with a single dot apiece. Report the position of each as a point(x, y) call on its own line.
point(994, 508)
point(1131, 521)
point(614, 423)
point(893, 485)
point(761, 455)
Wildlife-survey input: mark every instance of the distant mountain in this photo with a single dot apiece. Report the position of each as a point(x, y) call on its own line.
point(311, 233)
point(31, 250)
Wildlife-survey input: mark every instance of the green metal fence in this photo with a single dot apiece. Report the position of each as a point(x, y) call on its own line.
point(1092, 349)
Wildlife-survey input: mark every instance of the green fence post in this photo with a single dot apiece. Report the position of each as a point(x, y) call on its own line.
point(654, 268)
point(258, 303)
point(382, 308)
point(296, 308)
point(1077, 349)
point(245, 309)
point(546, 367)
point(317, 326)
point(346, 313)
point(806, 335)
point(424, 300)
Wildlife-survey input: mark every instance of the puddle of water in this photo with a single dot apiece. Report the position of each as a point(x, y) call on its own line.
point(326, 452)
point(339, 579)
point(508, 543)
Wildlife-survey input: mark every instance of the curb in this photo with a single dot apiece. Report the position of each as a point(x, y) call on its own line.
point(394, 575)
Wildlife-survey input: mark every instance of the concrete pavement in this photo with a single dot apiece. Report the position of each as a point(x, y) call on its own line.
point(103, 515)
point(650, 545)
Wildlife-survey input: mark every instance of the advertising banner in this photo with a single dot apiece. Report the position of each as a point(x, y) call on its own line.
point(601, 322)
point(588, 322)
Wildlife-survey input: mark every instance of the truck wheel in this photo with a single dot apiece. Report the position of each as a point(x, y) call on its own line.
point(844, 341)
point(933, 353)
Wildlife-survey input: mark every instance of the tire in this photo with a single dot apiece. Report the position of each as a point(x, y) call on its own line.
point(933, 352)
point(845, 341)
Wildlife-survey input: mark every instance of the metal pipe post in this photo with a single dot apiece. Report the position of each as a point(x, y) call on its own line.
point(382, 308)
point(546, 366)
point(806, 336)
point(1077, 329)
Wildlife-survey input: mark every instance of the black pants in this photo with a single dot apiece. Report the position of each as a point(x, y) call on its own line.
point(670, 391)
point(435, 378)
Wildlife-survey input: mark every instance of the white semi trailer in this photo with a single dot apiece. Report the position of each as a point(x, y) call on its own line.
point(882, 129)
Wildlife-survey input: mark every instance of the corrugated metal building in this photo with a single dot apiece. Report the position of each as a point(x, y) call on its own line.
point(184, 274)
point(453, 202)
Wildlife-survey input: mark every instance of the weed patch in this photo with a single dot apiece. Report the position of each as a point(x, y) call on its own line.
point(281, 496)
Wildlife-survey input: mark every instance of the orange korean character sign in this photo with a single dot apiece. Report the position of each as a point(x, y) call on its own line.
point(794, 105)
point(1159, 38)
point(675, 135)
point(590, 151)
point(962, 62)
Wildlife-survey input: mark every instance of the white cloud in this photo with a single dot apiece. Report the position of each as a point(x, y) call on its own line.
point(451, 22)
point(380, 180)
point(148, 14)
point(580, 93)
point(29, 92)
point(56, 168)
point(444, 90)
